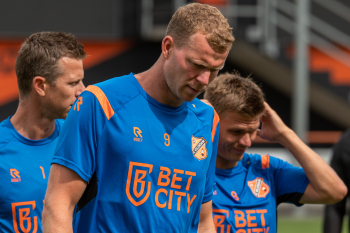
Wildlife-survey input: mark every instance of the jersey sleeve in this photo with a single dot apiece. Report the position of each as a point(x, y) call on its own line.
point(210, 182)
point(79, 138)
point(290, 181)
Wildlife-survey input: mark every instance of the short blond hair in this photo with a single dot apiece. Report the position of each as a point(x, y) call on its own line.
point(204, 19)
point(231, 92)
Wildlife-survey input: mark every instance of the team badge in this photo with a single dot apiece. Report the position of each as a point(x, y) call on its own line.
point(22, 219)
point(258, 187)
point(199, 148)
point(138, 186)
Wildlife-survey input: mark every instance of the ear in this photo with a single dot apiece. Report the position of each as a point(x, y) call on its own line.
point(40, 85)
point(167, 46)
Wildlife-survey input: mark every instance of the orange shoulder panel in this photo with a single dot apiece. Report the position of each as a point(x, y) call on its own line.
point(265, 161)
point(215, 124)
point(104, 102)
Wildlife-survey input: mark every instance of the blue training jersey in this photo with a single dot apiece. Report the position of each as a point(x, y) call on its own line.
point(24, 172)
point(246, 196)
point(149, 166)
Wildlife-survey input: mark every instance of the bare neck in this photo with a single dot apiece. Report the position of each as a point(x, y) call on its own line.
point(154, 83)
point(30, 122)
point(225, 164)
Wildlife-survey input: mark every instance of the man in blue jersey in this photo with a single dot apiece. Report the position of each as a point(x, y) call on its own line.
point(139, 156)
point(250, 186)
point(49, 73)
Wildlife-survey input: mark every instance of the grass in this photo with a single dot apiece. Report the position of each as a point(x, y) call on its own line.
point(303, 225)
point(292, 225)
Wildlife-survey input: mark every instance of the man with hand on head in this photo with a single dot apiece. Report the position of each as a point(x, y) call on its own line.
point(49, 69)
point(250, 186)
point(140, 154)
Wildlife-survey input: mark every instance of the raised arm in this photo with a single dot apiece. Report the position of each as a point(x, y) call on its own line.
point(325, 186)
point(64, 190)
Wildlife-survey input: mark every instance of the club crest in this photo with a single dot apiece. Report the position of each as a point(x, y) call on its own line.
point(199, 148)
point(258, 187)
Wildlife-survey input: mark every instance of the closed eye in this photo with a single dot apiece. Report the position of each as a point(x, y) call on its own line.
point(74, 83)
point(204, 67)
point(199, 66)
point(236, 132)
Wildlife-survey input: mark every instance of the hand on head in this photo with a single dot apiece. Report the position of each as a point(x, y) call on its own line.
point(272, 126)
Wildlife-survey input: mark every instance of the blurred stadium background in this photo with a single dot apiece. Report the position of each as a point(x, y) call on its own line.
point(123, 36)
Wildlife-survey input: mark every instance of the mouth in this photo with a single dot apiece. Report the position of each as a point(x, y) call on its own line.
point(194, 91)
point(239, 151)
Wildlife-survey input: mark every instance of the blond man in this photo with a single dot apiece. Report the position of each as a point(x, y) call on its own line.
point(139, 156)
point(249, 187)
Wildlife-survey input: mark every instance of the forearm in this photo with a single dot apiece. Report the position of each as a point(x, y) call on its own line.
point(206, 228)
point(56, 219)
point(206, 224)
point(323, 179)
point(63, 192)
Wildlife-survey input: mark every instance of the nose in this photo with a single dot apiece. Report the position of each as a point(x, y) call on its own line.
point(80, 89)
point(245, 140)
point(204, 77)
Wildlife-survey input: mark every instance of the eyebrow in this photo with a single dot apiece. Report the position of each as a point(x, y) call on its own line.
point(241, 129)
point(206, 65)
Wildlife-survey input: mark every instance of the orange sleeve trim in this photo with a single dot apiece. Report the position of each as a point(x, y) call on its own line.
point(265, 161)
point(104, 102)
point(215, 124)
